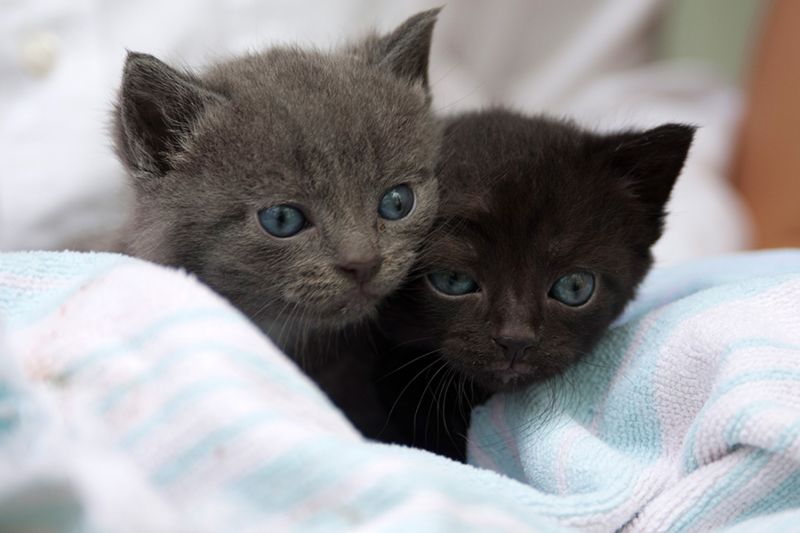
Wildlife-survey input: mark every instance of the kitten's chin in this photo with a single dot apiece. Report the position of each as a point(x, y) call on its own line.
point(340, 320)
point(353, 309)
point(503, 378)
point(511, 380)
point(507, 380)
point(350, 309)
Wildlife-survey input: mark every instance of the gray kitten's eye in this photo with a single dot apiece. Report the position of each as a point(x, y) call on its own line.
point(396, 203)
point(282, 221)
point(452, 283)
point(574, 289)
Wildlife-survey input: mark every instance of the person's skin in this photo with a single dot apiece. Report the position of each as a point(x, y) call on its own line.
point(767, 166)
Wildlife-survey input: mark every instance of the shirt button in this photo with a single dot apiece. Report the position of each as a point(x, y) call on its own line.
point(38, 53)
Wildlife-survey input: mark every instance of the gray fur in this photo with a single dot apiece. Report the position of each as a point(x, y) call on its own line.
point(329, 132)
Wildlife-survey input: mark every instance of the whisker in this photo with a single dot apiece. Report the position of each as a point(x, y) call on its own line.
point(404, 365)
point(419, 402)
point(399, 396)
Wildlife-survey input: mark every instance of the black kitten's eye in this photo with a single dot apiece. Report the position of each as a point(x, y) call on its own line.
point(452, 283)
point(573, 289)
point(282, 221)
point(396, 203)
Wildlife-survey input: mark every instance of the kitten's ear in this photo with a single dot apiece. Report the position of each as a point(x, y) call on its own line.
point(406, 50)
point(650, 161)
point(157, 108)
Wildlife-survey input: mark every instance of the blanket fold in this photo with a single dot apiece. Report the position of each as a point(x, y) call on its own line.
point(132, 398)
point(685, 417)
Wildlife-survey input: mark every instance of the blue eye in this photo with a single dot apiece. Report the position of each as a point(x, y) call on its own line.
point(452, 283)
point(282, 221)
point(574, 289)
point(396, 203)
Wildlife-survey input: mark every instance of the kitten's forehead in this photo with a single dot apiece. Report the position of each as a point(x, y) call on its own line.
point(307, 123)
point(322, 90)
point(526, 193)
point(528, 218)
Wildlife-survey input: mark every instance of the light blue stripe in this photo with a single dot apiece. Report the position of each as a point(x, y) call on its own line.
point(149, 334)
point(666, 285)
point(494, 444)
point(590, 466)
point(778, 523)
point(179, 465)
point(56, 265)
point(690, 461)
point(638, 392)
point(783, 497)
point(275, 372)
point(22, 306)
point(259, 486)
point(420, 521)
point(284, 378)
point(743, 472)
point(461, 486)
point(739, 421)
point(631, 402)
point(182, 399)
point(302, 477)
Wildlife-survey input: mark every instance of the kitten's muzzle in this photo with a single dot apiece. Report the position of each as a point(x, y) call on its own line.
point(361, 270)
point(514, 347)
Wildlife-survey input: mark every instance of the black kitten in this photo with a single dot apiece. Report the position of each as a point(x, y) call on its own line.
point(544, 233)
point(299, 184)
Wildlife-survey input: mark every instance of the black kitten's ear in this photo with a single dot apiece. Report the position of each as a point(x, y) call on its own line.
point(406, 50)
point(650, 161)
point(156, 111)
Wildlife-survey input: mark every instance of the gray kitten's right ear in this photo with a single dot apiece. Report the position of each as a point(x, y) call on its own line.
point(157, 108)
point(406, 50)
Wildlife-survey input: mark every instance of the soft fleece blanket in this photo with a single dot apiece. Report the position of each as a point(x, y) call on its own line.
point(134, 399)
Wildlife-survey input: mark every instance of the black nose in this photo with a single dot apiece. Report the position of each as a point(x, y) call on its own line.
point(514, 347)
point(361, 271)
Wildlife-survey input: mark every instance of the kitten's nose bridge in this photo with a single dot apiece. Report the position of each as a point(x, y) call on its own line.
point(361, 270)
point(359, 259)
point(514, 346)
point(515, 329)
point(514, 316)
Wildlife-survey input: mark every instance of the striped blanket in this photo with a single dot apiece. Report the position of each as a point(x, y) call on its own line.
point(134, 399)
point(685, 417)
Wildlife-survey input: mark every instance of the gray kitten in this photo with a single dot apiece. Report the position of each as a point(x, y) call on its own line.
point(296, 183)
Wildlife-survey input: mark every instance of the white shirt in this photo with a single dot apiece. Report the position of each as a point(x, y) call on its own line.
point(60, 65)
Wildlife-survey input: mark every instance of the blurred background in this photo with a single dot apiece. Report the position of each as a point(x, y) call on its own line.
point(724, 65)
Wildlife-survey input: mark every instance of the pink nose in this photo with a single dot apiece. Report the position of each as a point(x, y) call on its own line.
point(361, 271)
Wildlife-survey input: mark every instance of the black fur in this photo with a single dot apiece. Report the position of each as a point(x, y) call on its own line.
point(525, 200)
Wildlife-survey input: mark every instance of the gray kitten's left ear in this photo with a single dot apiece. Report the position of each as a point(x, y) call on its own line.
point(157, 110)
point(406, 50)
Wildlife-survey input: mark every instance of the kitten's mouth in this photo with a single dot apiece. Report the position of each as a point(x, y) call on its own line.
point(354, 305)
point(511, 376)
point(508, 375)
point(365, 292)
point(350, 306)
